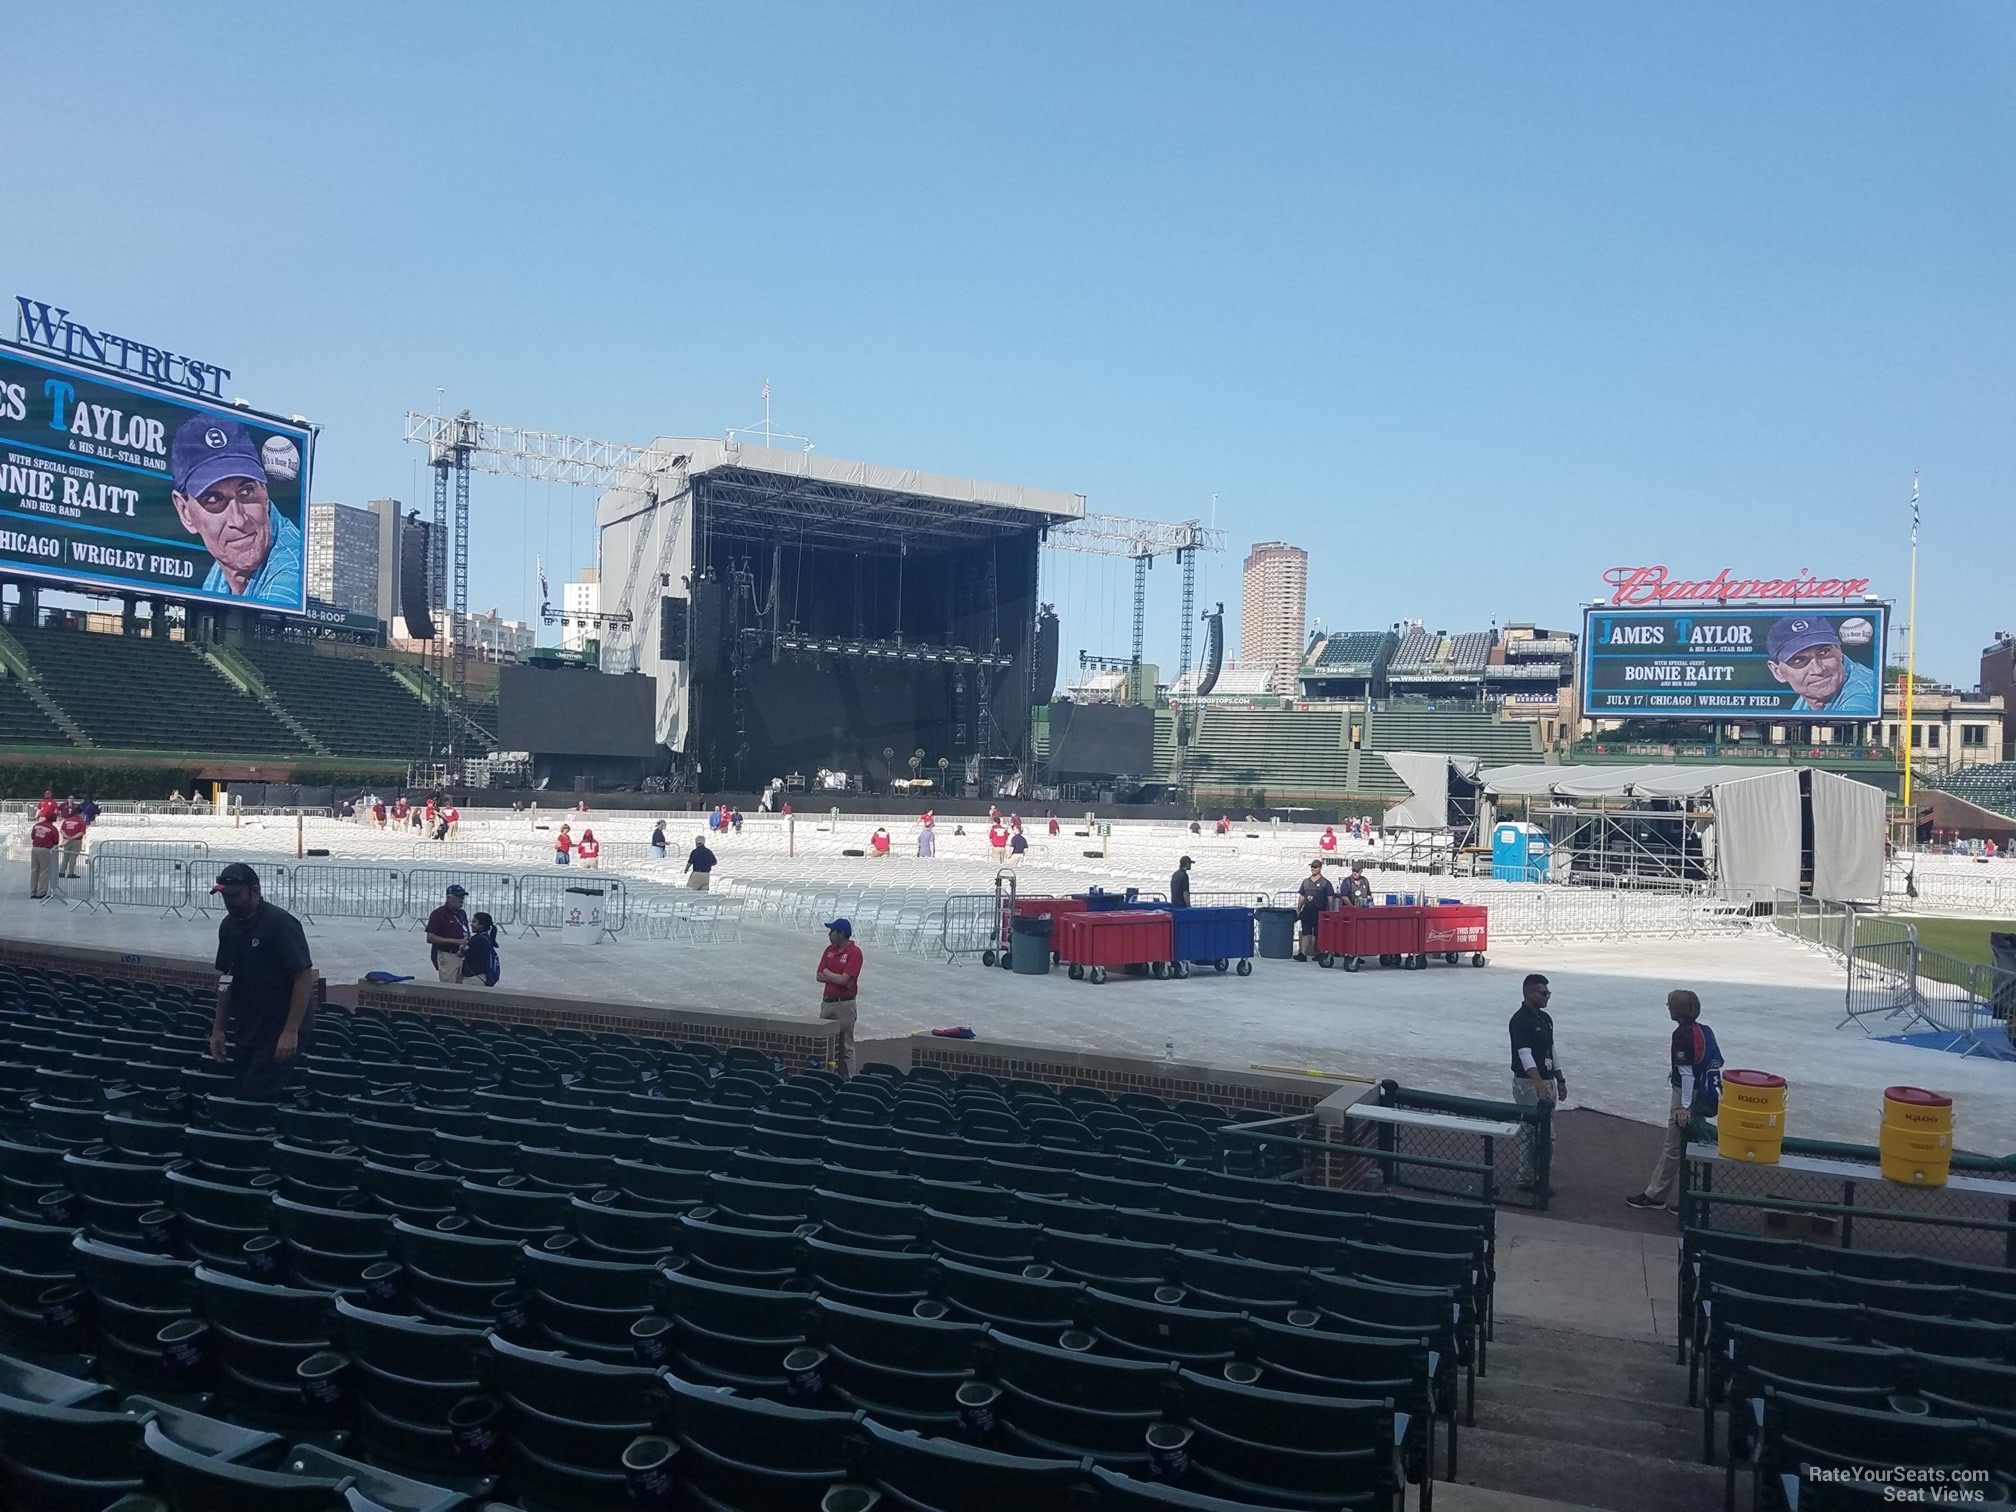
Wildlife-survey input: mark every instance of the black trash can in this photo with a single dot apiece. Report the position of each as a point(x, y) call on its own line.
point(1277, 933)
point(1029, 950)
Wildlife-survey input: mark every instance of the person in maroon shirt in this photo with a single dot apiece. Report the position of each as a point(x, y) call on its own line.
point(72, 827)
point(447, 929)
point(840, 970)
point(42, 838)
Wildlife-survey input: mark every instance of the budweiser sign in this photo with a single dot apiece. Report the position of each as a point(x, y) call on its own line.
point(1634, 586)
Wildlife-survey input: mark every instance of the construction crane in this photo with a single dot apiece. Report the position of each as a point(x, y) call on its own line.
point(1141, 541)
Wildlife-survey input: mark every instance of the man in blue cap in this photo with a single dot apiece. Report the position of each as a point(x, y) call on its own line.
point(840, 970)
point(221, 497)
point(1804, 653)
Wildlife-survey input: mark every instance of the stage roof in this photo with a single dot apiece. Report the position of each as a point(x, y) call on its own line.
point(762, 491)
point(1539, 781)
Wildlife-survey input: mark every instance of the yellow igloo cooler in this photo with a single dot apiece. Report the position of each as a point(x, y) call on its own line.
point(1916, 1143)
point(1751, 1125)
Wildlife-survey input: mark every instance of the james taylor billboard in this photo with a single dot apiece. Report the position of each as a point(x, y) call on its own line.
point(111, 484)
point(1717, 663)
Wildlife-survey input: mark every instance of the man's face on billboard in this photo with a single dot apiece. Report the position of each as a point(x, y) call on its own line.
point(1815, 674)
point(236, 527)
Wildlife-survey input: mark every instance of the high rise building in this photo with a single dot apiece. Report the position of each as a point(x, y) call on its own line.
point(1273, 612)
point(583, 598)
point(343, 556)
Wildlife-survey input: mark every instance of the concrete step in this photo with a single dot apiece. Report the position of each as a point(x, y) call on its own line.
point(1575, 1414)
point(1625, 1369)
point(1595, 1476)
point(1461, 1498)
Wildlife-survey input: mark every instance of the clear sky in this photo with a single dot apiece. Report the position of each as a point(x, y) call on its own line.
point(1472, 300)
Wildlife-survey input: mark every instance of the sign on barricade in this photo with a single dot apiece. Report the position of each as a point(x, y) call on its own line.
point(491, 892)
point(161, 882)
point(350, 892)
point(543, 902)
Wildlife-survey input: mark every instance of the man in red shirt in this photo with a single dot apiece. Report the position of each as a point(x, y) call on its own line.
point(1053, 824)
point(840, 970)
point(42, 840)
point(72, 827)
point(589, 850)
point(46, 809)
point(998, 838)
point(562, 844)
point(378, 813)
point(451, 816)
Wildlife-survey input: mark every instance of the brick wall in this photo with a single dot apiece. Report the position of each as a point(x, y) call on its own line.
point(794, 1040)
point(172, 971)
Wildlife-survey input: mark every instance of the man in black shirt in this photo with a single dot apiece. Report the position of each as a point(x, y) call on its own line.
point(265, 983)
point(1317, 894)
point(1536, 1075)
point(1179, 884)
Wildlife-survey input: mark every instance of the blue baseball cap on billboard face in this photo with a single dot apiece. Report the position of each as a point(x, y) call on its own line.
point(208, 449)
point(1796, 633)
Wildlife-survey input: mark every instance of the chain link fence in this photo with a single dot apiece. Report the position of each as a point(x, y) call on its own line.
point(1847, 1203)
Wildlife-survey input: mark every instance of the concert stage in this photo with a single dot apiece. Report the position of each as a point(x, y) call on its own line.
point(802, 612)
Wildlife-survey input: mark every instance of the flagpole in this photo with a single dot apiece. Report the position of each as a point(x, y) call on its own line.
point(1911, 659)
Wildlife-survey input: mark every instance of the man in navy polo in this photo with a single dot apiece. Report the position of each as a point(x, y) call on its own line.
point(220, 495)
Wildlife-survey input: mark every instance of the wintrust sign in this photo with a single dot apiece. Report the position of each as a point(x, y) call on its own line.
point(1635, 586)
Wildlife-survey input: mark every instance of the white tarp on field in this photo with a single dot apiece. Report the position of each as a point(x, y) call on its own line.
point(1847, 840)
point(1757, 830)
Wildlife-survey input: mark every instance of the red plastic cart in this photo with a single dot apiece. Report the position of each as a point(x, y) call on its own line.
point(1454, 930)
point(1391, 935)
point(1091, 944)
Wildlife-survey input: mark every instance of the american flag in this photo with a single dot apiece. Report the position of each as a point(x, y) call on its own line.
point(1914, 506)
point(545, 595)
point(766, 390)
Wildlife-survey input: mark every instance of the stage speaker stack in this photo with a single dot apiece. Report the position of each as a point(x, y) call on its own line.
point(1046, 657)
point(674, 629)
point(707, 614)
point(415, 551)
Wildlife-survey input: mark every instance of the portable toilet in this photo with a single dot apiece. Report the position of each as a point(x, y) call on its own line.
point(1519, 852)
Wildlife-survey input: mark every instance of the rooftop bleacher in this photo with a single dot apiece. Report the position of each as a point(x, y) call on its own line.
point(1469, 651)
point(1416, 649)
point(138, 693)
point(1360, 651)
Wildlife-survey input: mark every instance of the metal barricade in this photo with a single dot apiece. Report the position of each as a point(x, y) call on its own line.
point(459, 849)
point(162, 882)
point(492, 892)
point(973, 926)
point(542, 898)
point(188, 849)
point(276, 885)
point(350, 892)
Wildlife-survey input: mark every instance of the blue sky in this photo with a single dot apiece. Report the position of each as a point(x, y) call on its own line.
point(1472, 300)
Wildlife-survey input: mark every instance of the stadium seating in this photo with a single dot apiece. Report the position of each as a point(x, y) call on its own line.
point(353, 706)
point(1822, 1357)
point(940, 1293)
point(1361, 653)
point(22, 722)
point(1992, 786)
point(1400, 726)
point(137, 693)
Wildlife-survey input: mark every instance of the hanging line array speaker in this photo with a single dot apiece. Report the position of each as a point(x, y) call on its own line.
point(1046, 655)
point(415, 543)
point(1214, 650)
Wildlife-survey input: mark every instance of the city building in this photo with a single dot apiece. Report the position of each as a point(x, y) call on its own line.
point(1998, 675)
point(580, 602)
point(343, 557)
point(495, 639)
point(1273, 609)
